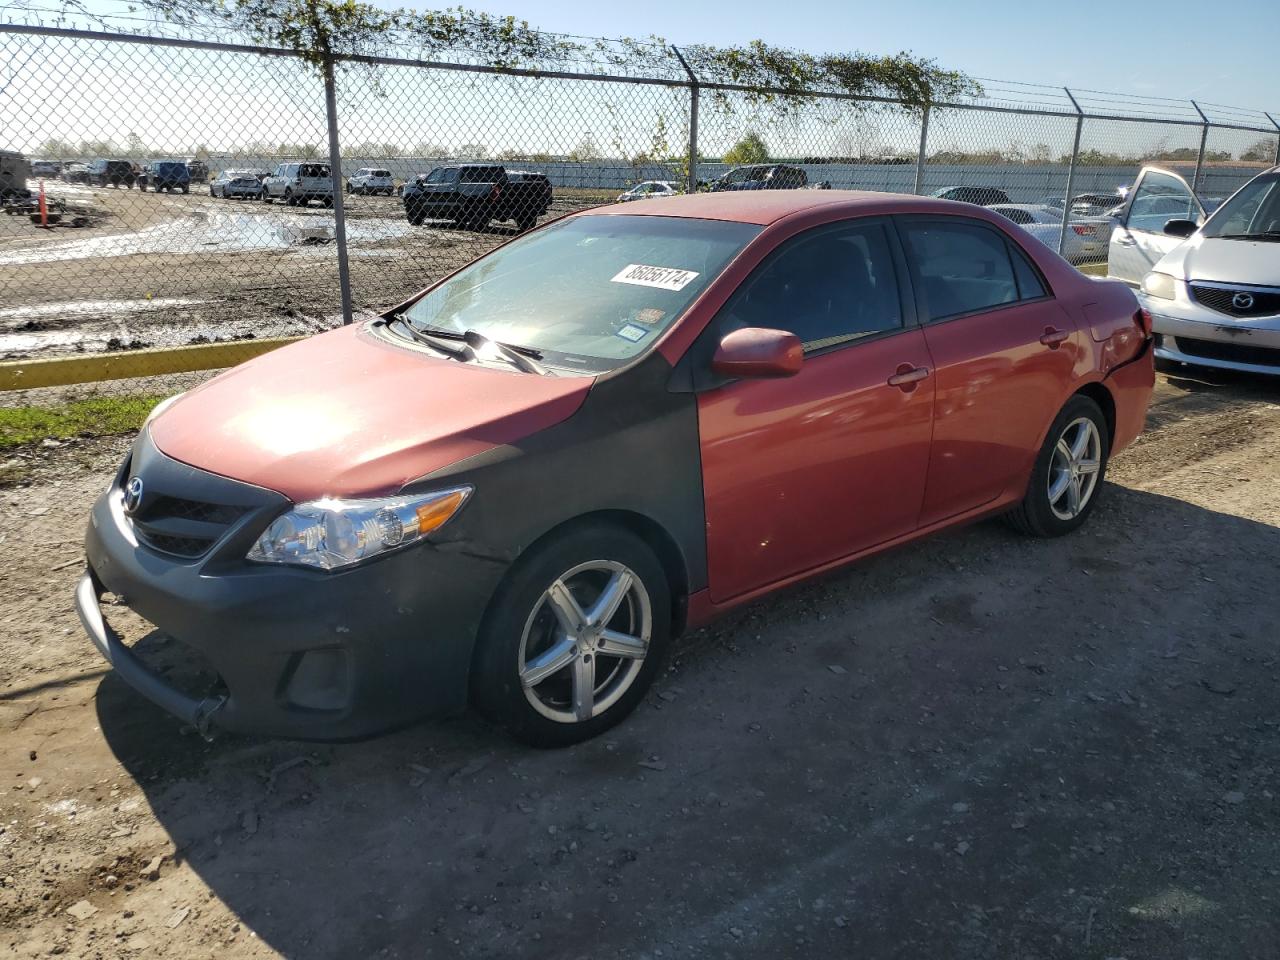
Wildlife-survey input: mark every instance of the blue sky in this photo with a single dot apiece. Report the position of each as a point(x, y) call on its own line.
point(1223, 52)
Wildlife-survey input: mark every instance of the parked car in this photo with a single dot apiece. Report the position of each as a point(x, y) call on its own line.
point(238, 184)
point(371, 180)
point(473, 194)
point(114, 173)
point(766, 176)
point(1086, 204)
point(197, 171)
point(518, 486)
point(648, 190)
point(299, 182)
point(1212, 286)
point(76, 173)
point(981, 196)
point(46, 168)
point(1084, 238)
point(168, 175)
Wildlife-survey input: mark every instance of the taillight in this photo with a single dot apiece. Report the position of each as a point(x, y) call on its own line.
point(1143, 319)
point(495, 192)
point(1083, 229)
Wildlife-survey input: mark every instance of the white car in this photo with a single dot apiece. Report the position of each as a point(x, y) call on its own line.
point(649, 188)
point(1212, 286)
point(1085, 239)
point(299, 183)
point(368, 180)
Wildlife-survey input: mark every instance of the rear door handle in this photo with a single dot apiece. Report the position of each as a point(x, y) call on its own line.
point(908, 376)
point(1053, 338)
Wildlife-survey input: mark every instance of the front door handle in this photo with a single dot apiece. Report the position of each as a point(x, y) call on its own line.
point(1125, 239)
point(1053, 338)
point(908, 376)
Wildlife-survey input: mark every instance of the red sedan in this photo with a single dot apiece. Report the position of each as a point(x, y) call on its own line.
point(516, 488)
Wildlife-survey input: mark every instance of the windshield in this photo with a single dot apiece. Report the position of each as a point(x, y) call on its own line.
point(589, 293)
point(1253, 212)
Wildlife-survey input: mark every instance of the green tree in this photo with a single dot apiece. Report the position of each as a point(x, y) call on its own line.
point(750, 149)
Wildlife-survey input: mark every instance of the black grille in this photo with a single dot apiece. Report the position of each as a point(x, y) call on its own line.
point(183, 528)
point(1260, 303)
point(218, 513)
point(1231, 352)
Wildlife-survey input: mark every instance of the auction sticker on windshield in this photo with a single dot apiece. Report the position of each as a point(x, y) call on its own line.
point(665, 278)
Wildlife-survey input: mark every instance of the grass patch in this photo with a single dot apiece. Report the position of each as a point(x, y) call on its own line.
point(1093, 269)
point(95, 417)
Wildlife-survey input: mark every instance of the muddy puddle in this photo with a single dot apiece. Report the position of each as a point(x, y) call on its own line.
point(212, 231)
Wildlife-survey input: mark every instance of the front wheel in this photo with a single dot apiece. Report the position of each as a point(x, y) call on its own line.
point(1068, 472)
point(573, 638)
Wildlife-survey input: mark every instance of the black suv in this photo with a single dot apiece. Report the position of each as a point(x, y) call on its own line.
point(115, 173)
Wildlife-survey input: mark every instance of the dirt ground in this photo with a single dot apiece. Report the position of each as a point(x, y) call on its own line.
point(168, 269)
point(980, 746)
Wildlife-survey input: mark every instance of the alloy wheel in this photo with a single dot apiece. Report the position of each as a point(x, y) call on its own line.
point(1073, 470)
point(585, 641)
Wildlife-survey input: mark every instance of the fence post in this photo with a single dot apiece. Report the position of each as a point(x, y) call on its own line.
point(924, 140)
point(1071, 173)
point(1277, 126)
point(1204, 139)
point(692, 185)
point(335, 175)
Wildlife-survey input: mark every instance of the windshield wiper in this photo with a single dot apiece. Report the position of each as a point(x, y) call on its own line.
point(462, 354)
point(1266, 235)
point(522, 358)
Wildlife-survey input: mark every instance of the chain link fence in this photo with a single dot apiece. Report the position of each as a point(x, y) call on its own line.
point(180, 205)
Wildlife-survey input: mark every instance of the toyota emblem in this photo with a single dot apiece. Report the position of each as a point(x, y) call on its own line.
point(133, 495)
point(1242, 301)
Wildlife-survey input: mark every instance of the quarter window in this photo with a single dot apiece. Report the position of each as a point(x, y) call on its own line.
point(827, 287)
point(967, 267)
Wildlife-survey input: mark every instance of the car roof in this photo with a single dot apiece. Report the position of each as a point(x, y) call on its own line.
point(763, 207)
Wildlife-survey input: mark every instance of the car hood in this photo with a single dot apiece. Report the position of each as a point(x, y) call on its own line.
point(345, 414)
point(1224, 261)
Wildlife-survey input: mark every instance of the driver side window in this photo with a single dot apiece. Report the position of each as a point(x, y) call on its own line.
point(829, 286)
point(1159, 199)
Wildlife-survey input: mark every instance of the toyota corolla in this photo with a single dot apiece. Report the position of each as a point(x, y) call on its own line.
point(515, 489)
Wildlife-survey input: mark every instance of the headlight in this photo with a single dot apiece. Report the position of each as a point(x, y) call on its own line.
point(328, 534)
point(1160, 285)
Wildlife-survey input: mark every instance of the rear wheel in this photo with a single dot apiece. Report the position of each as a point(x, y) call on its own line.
point(1066, 479)
point(574, 637)
point(326, 201)
point(526, 221)
point(289, 199)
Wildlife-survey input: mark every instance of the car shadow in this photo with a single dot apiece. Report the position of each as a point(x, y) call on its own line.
point(820, 755)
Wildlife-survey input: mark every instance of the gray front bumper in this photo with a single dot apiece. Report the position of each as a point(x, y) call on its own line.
point(1245, 345)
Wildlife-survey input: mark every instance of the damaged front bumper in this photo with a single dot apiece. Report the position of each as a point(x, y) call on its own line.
point(296, 653)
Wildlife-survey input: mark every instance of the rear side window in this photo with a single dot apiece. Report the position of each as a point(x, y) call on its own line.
point(315, 170)
point(479, 175)
point(1020, 217)
point(967, 267)
point(827, 287)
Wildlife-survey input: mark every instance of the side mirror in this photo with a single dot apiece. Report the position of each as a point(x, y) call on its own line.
point(758, 353)
point(1180, 228)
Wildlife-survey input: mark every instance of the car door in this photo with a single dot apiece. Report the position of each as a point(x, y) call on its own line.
point(803, 471)
point(1004, 353)
point(1138, 241)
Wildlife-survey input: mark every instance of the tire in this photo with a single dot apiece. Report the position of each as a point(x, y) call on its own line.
point(267, 198)
point(289, 199)
point(1057, 468)
point(416, 217)
point(327, 201)
point(526, 222)
point(186, 189)
point(585, 558)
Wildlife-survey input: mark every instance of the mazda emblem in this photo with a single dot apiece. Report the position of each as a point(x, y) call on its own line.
point(132, 495)
point(1242, 301)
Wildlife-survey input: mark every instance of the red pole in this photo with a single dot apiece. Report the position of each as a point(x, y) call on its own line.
point(44, 208)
